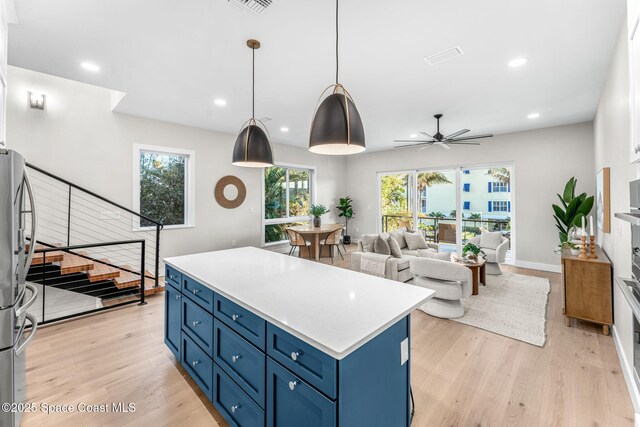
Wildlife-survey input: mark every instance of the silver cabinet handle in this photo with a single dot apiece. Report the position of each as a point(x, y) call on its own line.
point(295, 355)
point(196, 322)
point(29, 303)
point(234, 408)
point(178, 296)
point(235, 358)
point(194, 363)
point(34, 222)
point(235, 317)
point(195, 291)
point(292, 385)
point(34, 329)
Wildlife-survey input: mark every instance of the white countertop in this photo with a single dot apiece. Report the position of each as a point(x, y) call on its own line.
point(333, 309)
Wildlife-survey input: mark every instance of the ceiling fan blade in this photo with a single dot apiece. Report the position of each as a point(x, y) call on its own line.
point(426, 134)
point(466, 138)
point(463, 143)
point(411, 140)
point(455, 134)
point(444, 145)
point(426, 144)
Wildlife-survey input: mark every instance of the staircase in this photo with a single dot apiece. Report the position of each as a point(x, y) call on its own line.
point(107, 259)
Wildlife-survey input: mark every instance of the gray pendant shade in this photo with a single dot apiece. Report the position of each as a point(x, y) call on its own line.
point(252, 148)
point(337, 128)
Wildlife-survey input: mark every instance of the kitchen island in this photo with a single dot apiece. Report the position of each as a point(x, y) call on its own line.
point(281, 341)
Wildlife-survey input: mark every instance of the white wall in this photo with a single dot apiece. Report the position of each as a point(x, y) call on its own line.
point(612, 141)
point(79, 138)
point(544, 160)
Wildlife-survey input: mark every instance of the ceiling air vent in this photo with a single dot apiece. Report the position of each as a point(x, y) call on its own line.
point(255, 7)
point(445, 55)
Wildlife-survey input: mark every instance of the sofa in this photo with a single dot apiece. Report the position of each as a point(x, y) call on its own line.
point(397, 269)
point(495, 251)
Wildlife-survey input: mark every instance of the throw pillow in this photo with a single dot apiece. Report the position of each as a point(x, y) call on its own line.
point(368, 241)
point(490, 240)
point(431, 253)
point(380, 246)
point(394, 246)
point(415, 240)
point(398, 235)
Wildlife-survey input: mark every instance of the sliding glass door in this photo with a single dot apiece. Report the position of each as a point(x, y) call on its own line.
point(449, 205)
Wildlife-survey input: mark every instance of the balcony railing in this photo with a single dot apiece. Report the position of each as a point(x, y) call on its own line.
point(443, 229)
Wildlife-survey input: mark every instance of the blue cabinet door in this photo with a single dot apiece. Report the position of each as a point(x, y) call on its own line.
point(172, 319)
point(292, 402)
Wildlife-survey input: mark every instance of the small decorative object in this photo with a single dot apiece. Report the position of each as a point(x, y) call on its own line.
point(575, 248)
point(592, 247)
point(233, 181)
point(345, 210)
point(471, 252)
point(573, 209)
point(575, 233)
point(583, 248)
point(317, 211)
point(603, 200)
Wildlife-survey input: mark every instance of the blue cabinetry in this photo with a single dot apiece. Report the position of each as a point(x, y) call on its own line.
point(257, 374)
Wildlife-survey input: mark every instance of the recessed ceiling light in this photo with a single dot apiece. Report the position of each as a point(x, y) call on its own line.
point(89, 66)
point(413, 135)
point(533, 115)
point(284, 129)
point(517, 62)
point(220, 102)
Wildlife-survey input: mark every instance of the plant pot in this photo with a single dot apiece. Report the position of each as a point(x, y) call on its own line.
point(575, 251)
point(317, 221)
point(346, 239)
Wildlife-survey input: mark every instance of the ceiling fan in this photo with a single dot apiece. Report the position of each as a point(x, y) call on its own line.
point(455, 138)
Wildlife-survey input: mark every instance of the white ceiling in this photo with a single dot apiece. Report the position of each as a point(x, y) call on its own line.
point(173, 58)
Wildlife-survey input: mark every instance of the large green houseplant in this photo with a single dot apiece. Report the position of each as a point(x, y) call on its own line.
point(572, 211)
point(345, 210)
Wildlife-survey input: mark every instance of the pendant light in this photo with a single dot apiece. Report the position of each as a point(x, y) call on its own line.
point(336, 128)
point(252, 148)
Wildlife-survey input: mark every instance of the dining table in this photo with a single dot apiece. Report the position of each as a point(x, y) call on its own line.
point(314, 235)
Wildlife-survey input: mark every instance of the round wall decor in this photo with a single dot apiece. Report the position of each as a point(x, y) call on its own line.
point(235, 182)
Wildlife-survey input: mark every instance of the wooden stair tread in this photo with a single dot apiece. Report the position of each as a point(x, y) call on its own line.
point(72, 263)
point(127, 279)
point(102, 272)
point(40, 258)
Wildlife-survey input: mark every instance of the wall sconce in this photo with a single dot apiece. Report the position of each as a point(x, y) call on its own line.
point(36, 101)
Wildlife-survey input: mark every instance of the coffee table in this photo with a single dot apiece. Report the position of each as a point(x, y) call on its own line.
point(478, 272)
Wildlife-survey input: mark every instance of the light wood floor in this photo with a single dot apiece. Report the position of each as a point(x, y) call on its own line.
point(461, 376)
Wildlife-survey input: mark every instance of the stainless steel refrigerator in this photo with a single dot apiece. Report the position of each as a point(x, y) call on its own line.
point(17, 243)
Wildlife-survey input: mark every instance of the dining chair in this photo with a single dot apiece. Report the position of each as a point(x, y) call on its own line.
point(297, 240)
point(333, 241)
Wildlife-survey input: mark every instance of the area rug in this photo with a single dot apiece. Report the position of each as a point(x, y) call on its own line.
point(512, 305)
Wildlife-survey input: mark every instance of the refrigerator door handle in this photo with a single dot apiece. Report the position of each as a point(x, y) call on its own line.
point(32, 334)
point(34, 222)
point(34, 295)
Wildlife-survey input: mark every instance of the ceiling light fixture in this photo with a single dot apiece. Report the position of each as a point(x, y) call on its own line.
point(253, 148)
point(90, 67)
point(220, 102)
point(517, 62)
point(336, 128)
point(284, 129)
point(533, 116)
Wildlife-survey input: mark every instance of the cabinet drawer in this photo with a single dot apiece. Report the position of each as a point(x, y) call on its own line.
point(172, 276)
point(198, 293)
point(241, 361)
point(198, 365)
point(198, 324)
point(233, 403)
point(312, 365)
point(291, 402)
point(244, 322)
point(172, 319)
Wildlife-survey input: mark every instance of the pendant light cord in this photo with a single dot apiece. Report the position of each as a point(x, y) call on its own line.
point(253, 83)
point(337, 36)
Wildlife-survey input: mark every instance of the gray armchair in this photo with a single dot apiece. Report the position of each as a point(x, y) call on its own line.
point(494, 256)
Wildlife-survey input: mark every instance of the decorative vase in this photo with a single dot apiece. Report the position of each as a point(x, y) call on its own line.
point(317, 221)
point(575, 251)
point(470, 256)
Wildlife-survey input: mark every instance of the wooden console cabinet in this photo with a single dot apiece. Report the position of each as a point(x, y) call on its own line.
point(587, 289)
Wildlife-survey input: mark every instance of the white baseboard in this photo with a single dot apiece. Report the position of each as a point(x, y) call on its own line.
point(538, 266)
point(627, 371)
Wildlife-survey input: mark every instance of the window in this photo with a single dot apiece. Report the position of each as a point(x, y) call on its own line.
point(466, 171)
point(498, 187)
point(288, 193)
point(499, 206)
point(163, 186)
point(467, 206)
point(466, 187)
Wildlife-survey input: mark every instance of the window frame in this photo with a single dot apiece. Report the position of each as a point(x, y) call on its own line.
point(189, 183)
point(499, 202)
point(499, 187)
point(286, 219)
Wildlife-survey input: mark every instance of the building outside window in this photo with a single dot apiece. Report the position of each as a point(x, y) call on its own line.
point(499, 206)
point(499, 187)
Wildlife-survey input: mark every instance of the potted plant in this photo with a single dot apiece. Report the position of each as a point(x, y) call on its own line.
point(575, 249)
point(345, 209)
point(573, 208)
point(317, 211)
point(470, 252)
